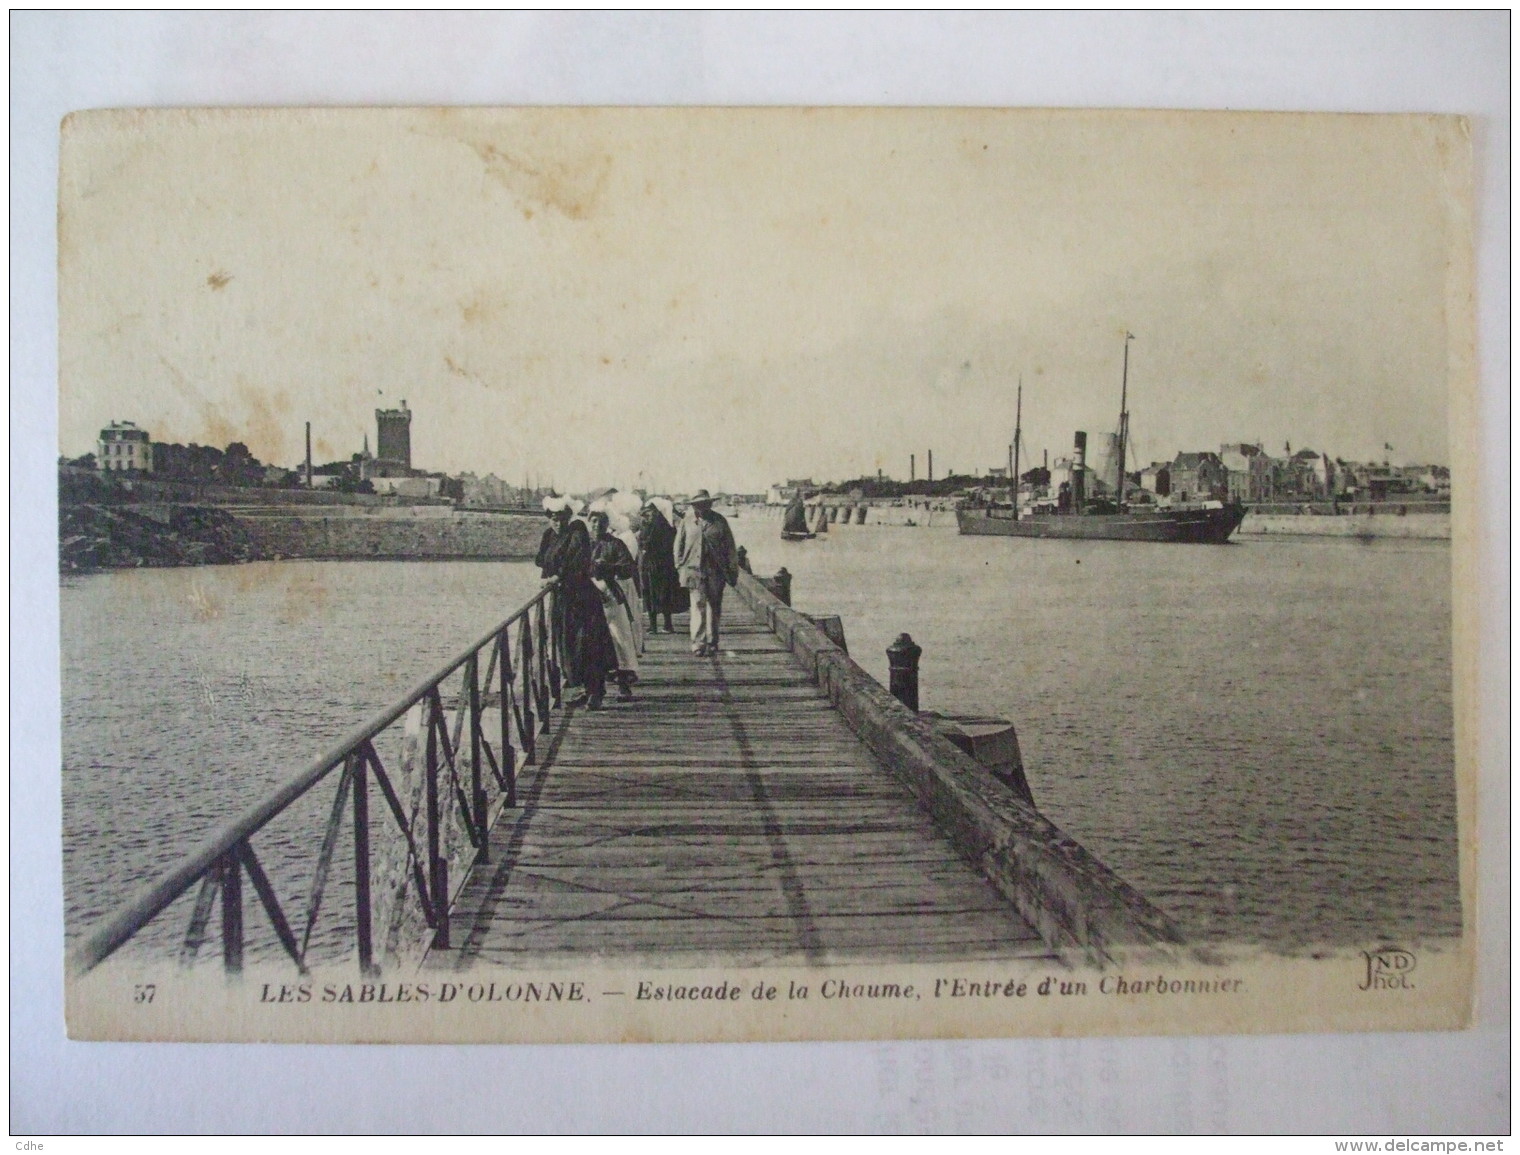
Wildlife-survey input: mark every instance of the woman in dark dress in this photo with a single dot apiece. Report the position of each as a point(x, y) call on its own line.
point(658, 580)
point(589, 655)
point(541, 559)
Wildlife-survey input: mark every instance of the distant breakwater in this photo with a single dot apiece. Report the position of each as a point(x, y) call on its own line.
point(922, 511)
point(100, 537)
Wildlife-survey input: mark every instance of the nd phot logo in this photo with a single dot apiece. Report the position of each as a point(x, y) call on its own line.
point(1388, 970)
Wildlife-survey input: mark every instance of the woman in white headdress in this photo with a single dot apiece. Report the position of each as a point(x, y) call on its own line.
point(612, 570)
point(660, 582)
point(624, 511)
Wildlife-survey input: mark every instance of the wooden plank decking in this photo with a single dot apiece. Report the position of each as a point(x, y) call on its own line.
point(726, 813)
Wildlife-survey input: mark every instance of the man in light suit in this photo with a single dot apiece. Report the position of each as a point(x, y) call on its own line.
point(708, 562)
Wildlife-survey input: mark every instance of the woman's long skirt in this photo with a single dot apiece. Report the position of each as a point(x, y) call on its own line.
point(589, 652)
point(622, 623)
point(662, 586)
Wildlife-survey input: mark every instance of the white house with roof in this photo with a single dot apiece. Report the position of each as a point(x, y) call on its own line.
point(123, 447)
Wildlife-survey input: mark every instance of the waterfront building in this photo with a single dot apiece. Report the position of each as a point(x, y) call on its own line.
point(414, 487)
point(1157, 478)
point(124, 448)
point(1382, 483)
point(1199, 477)
point(329, 476)
point(781, 494)
point(1436, 479)
point(1305, 477)
point(489, 490)
point(1249, 471)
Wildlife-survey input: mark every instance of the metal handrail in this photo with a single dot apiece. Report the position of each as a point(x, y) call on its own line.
point(222, 857)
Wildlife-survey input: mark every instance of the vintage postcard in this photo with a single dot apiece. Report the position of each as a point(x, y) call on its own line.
point(584, 574)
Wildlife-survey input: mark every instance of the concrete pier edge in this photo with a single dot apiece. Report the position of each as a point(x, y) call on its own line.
point(1071, 898)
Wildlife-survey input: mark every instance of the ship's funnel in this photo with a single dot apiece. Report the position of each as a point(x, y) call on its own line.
point(1079, 472)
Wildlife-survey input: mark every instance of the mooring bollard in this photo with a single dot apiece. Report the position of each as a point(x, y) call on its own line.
point(783, 582)
point(902, 662)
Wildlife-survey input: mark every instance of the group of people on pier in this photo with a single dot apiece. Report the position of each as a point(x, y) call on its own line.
point(619, 559)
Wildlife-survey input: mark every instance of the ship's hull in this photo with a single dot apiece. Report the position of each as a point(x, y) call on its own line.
point(1196, 526)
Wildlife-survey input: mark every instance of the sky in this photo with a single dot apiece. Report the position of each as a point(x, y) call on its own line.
point(668, 299)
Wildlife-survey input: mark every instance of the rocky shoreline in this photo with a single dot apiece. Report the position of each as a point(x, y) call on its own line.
point(96, 537)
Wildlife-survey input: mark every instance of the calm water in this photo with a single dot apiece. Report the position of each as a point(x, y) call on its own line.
point(189, 693)
point(1257, 736)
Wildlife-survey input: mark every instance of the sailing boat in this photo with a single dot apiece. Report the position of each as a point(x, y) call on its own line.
point(794, 522)
point(1080, 515)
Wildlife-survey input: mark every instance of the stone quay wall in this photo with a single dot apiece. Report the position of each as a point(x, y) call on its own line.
point(1430, 526)
point(468, 536)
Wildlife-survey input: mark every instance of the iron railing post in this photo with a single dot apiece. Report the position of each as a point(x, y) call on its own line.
point(552, 648)
point(508, 755)
point(548, 695)
point(477, 789)
point(232, 912)
point(438, 867)
point(362, 907)
point(529, 695)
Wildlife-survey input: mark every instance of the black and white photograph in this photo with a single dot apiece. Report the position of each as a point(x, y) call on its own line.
point(623, 574)
point(489, 275)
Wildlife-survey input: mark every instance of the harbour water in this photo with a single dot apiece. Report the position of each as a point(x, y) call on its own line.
point(1258, 736)
point(189, 693)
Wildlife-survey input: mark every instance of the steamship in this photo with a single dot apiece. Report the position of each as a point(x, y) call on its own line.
point(1075, 515)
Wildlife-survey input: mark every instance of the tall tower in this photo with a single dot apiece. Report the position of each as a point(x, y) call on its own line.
point(393, 444)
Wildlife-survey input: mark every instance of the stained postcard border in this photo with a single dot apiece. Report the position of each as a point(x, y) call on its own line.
point(49, 1090)
point(1266, 993)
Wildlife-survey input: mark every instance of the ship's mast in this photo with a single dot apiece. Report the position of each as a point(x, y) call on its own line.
point(1123, 421)
point(1018, 423)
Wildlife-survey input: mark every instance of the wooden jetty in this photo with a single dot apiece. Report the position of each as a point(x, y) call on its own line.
point(773, 804)
point(725, 812)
